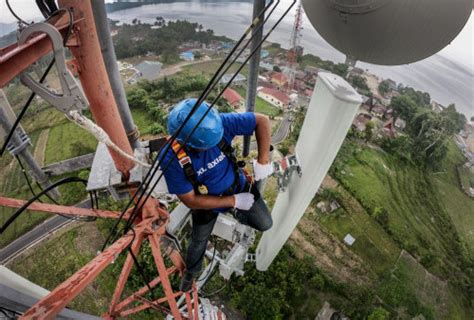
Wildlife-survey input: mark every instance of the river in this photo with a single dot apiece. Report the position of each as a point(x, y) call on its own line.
point(445, 79)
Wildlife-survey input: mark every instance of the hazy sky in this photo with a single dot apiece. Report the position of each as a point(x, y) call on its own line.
point(460, 50)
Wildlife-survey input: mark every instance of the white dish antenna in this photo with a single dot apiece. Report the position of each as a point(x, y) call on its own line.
point(388, 32)
point(330, 114)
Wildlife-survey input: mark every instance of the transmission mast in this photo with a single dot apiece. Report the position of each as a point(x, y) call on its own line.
point(295, 47)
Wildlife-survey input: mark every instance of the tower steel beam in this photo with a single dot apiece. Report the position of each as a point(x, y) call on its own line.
point(14, 59)
point(110, 60)
point(254, 66)
point(20, 146)
point(95, 82)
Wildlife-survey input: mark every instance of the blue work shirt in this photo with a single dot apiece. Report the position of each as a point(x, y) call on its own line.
point(212, 167)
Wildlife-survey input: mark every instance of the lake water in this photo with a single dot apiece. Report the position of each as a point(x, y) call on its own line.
point(446, 80)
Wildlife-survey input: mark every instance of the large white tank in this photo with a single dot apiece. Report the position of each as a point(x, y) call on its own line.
point(388, 32)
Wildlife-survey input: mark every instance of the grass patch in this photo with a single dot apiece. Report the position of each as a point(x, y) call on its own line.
point(68, 141)
point(261, 105)
point(210, 67)
point(60, 257)
point(417, 218)
point(457, 204)
point(142, 119)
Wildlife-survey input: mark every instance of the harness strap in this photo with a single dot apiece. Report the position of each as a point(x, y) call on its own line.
point(187, 166)
point(229, 152)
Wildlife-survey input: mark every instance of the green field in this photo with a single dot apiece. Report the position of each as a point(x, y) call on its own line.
point(68, 141)
point(372, 243)
point(426, 212)
point(210, 67)
point(459, 205)
point(58, 262)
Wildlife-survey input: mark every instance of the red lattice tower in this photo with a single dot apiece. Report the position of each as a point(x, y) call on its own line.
point(295, 41)
point(152, 218)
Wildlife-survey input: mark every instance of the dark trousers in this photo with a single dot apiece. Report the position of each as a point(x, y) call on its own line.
point(258, 217)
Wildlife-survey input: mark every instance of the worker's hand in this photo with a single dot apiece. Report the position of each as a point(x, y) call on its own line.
point(244, 201)
point(262, 171)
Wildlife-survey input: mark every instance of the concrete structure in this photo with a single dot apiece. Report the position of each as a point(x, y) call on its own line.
point(149, 70)
point(274, 97)
point(69, 165)
point(349, 239)
point(233, 98)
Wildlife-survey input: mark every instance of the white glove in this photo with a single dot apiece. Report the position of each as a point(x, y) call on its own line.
point(244, 201)
point(261, 171)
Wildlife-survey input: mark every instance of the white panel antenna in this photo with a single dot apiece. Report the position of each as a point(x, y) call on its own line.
point(330, 114)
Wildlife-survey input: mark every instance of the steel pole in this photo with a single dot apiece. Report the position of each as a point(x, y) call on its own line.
point(110, 60)
point(254, 66)
point(35, 170)
point(95, 81)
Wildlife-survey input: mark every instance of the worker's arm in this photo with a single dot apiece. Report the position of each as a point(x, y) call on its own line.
point(206, 202)
point(242, 201)
point(263, 135)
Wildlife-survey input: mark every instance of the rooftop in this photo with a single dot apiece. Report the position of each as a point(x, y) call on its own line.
point(282, 97)
point(232, 96)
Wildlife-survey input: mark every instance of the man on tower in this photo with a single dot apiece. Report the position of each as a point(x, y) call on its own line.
point(206, 177)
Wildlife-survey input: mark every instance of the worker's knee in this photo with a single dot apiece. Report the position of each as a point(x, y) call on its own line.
point(265, 224)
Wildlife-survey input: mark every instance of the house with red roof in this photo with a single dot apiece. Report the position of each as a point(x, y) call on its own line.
point(279, 79)
point(274, 97)
point(233, 98)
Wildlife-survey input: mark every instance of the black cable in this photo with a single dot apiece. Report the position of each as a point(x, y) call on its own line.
point(206, 92)
point(43, 9)
point(143, 187)
point(46, 194)
point(43, 77)
point(14, 14)
point(51, 4)
point(131, 219)
point(29, 202)
point(212, 261)
point(217, 98)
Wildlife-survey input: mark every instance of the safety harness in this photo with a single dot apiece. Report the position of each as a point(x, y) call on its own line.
point(186, 164)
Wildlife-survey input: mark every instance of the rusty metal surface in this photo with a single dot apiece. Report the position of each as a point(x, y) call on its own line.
point(54, 302)
point(144, 290)
point(165, 281)
point(15, 58)
point(67, 210)
point(127, 267)
point(95, 82)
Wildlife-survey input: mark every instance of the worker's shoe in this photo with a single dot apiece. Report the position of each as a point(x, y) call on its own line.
point(186, 282)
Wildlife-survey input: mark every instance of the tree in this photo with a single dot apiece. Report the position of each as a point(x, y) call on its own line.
point(379, 314)
point(359, 82)
point(369, 131)
point(429, 132)
point(384, 87)
point(458, 119)
point(472, 119)
point(403, 107)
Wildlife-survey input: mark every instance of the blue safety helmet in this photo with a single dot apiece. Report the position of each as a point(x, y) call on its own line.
point(209, 132)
